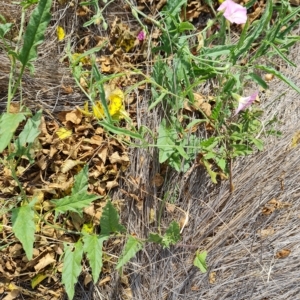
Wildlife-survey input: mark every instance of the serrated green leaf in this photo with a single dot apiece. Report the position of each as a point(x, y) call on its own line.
point(109, 221)
point(23, 227)
point(200, 261)
point(28, 135)
point(132, 246)
point(165, 141)
point(34, 34)
point(71, 266)
point(8, 125)
point(92, 246)
point(279, 75)
point(81, 181)
point(31, 129)
point(79, 197)
point(74, 203)
point(172, 235)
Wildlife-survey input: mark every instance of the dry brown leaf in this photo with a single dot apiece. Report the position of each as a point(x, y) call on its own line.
point(283, 253)
point(12, 295)
point(44, 262)
point(111, 184)
point(158, 180)
point(70, 164)
point(105, 280)
point(14, 107)
point(67, 89)
point(206, 108)
point(151, 216)
point(212, 277)
point(266, 232)
point(75, 116)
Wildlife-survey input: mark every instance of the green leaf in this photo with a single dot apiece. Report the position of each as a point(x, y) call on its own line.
point(79, 197)
point(174, 7)
point(92, 246)
point(279, 75)
point(109, 221)
point(217, 50)
point(34, 34)
point(241, 149)
point(165, 141)
point(117, 130)
point(259, 80)
point(155, 238)
point(132, 246)
point(23, 227)
point(200, 261)
point(4, 29)
point(258, 28)
point(212, 174)
point(71, 266)
point(258, 143)
point(157, 100)
point(28, 135)
point(81, 181)
point(183, 26)
point(279, 52)
point(8, 125)
point(172, 235)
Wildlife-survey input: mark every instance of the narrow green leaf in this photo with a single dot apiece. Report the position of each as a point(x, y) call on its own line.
point(279, 75)
point(259, 80)
point(279, 52)
point(8, 125)
point(132, 246)
point(212, 174)
point(109, 221)
point(173, 7)
point(257, 30)
point(34, 34)
point(200, 261)
point(71, 266)
point(117, 130)
point(157, 100)
point(92, 246)
point(172, 235)
point(24, 228)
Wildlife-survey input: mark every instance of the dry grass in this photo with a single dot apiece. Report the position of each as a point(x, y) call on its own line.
point(227, 225)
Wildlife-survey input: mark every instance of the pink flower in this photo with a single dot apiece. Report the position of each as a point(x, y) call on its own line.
point(234, 12)
point(244, 102)
point(141, 36)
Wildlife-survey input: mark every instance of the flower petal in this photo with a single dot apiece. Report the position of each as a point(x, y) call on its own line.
point(245, 102)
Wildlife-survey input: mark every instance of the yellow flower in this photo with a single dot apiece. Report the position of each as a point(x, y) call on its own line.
point(60, 33)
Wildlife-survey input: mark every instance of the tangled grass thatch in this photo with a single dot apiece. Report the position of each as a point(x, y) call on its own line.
point(242, 240)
